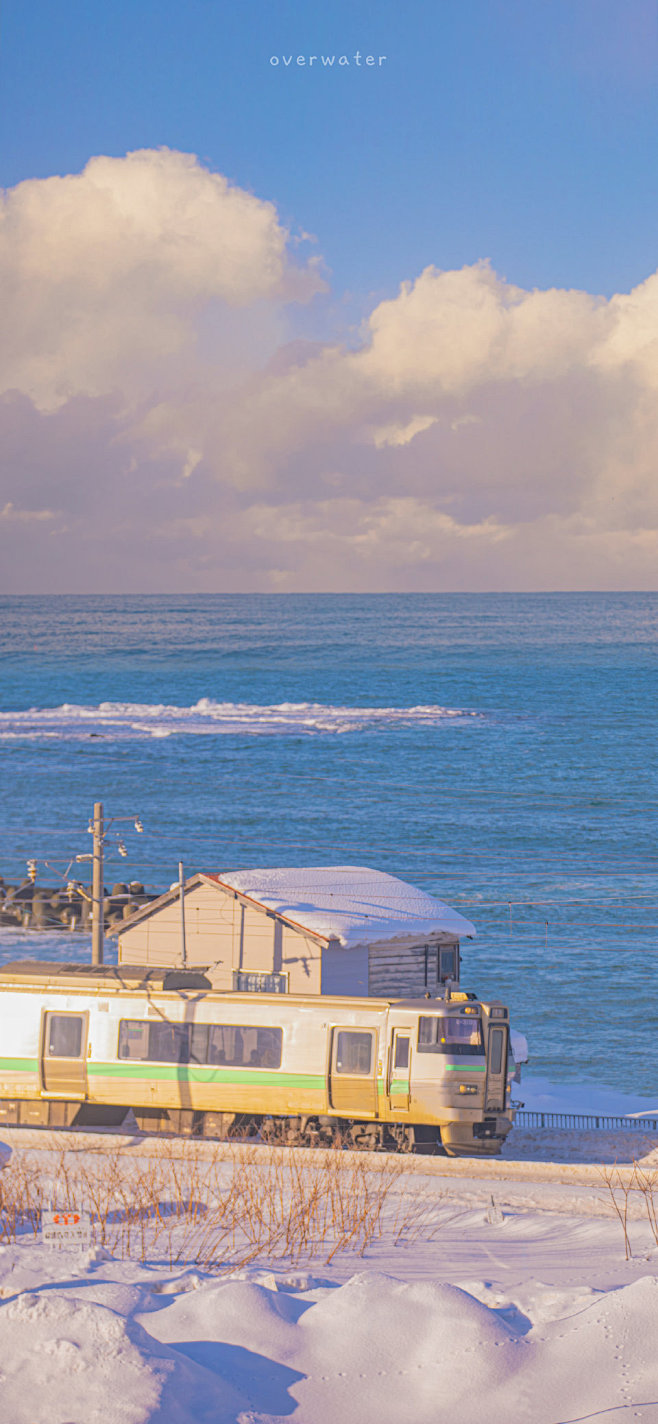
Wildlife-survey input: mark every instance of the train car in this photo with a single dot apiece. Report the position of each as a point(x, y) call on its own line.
point(81, 1045)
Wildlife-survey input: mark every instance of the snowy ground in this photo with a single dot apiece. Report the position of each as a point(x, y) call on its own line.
point(526, 1312)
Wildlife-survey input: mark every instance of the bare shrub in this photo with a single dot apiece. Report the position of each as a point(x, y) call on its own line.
point(626, 1189)
point(646, 1183)
point(219, 1210)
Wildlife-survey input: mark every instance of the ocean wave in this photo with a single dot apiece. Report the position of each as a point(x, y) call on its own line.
point(131, 720)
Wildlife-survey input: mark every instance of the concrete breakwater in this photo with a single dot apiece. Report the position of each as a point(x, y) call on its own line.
point(40, 907)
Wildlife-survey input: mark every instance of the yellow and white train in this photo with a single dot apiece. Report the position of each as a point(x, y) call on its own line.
point(81, 1045)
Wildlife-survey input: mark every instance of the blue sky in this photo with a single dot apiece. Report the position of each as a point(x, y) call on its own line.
point(358, 327)
point(523, 132)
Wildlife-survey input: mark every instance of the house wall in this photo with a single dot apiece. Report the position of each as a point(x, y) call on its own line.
point(210, 932)
point(405, 969)
point(223, 934)
point(345, 971)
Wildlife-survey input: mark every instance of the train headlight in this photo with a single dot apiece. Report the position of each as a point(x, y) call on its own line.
point(467, 1088)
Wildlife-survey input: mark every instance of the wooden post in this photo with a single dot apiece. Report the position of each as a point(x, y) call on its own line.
point(97, 888)
point(181, 888)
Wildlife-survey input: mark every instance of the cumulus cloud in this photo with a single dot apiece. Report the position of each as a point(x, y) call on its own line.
point(157, 395)
point(105, 273)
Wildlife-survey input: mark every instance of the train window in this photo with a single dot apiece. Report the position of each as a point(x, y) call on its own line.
point(496, 1050)
point(134, 1039)
point(450, 1034)
point(244, 1047)
point(354, 1052)
point(169, 1043)
point(231, 1045)
point(199, 1043)
point(64, 1035)
point(401, 1053)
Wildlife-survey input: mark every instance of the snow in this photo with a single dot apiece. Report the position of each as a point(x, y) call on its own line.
point(542, 1095)
point(529, 1312)
point(518, 1045)
point(349, 903)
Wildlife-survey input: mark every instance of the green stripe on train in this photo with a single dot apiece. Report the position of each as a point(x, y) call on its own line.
point(184, 1073)
point(466, 1068)
point(19, 1065)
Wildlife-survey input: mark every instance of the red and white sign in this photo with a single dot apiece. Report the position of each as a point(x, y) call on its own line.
point(66, 1228)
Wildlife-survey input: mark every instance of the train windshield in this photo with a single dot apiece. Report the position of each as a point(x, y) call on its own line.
point(451, 1034)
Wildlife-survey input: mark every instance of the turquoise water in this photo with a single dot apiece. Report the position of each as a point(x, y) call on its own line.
point(497, 750)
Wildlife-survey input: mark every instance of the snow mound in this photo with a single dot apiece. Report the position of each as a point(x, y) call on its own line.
point(63, 1360)
point(606, 1354)
point(375, 1349)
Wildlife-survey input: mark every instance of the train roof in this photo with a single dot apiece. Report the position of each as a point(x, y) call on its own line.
point(134, 978)
point(104, 976)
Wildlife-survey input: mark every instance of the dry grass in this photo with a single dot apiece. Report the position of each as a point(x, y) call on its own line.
point(630, 1190)
point(222, 1211)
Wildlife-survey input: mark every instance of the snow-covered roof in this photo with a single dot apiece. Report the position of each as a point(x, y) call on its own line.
point(348, 903)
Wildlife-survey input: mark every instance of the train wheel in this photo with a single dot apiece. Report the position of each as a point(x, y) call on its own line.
point(400, 1136)
point(365, 1136)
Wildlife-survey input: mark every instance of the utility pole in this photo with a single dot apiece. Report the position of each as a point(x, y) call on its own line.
point(97, 918)
point(181, 890)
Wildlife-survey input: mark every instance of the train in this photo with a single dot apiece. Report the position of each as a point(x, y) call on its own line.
point(83, 1045)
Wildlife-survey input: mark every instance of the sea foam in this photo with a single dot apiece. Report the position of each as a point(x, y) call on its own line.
point(115, 720)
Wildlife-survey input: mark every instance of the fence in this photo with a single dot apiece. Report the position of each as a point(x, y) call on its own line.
point(586, 1122)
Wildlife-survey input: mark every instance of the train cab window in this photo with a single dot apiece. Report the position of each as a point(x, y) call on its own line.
point(496, 1040)
point(401, 1053)
point(64, 1035)
point(354, 1052)
point(450, 1034)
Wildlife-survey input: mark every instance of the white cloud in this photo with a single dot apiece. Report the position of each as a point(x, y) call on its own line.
point(475, 435)
point(11, 515)
point(402, 434)
point(106, 273)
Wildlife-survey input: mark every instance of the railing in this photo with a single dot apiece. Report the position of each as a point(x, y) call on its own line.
point(585, 1122)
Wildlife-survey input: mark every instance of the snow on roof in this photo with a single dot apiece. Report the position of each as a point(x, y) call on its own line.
point(348, 903)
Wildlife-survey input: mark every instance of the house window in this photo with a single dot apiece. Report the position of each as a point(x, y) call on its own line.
point(256, 981)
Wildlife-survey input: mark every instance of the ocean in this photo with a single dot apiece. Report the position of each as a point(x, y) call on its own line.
point(497, 750)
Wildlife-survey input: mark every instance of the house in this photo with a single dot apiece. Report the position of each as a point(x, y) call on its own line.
point(319, 930)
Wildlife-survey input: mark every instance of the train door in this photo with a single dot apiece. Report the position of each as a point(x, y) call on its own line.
point(64, 1054)
point(352, 1081)
point(496, 1068)
point(399, 1066)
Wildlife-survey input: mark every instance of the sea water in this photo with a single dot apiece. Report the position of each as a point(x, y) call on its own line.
point(497, 750)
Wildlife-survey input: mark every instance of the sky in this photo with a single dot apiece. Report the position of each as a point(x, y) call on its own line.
point(302, 326)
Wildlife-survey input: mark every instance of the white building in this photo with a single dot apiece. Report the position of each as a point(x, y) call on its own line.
point(320, 930)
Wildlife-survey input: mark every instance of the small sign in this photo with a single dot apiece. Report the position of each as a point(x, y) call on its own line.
point(246, 981)
point(494, 1215)
point(66, 1228)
